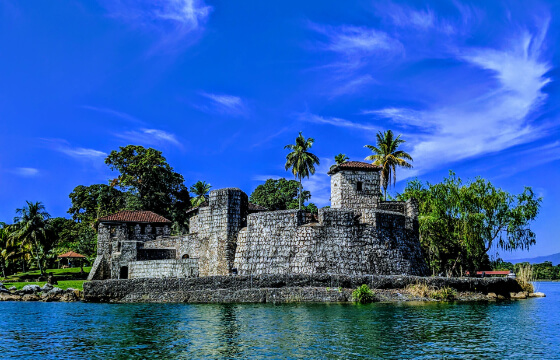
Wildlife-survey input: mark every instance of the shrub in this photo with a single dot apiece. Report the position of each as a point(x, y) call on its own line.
point(419, 289)
point(444, 294)
point(525, 277)
point(363, 295)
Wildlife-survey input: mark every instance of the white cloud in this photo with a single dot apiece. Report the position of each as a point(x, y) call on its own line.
point(320, 184)
point(336, 122)
point(150, 136)
point(223, 103)
point(355, 40)
point(114, 113)
point(173, 19)
point(64, 147)
point(499, 118)
point(26, 171)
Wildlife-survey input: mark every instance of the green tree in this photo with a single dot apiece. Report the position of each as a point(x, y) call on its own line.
point(278, 194)
point(341, 159)
point(4, 240)
point(387, 155)
point(460, 223)
point(200, 189)
point(301, 161)
point(89, 203)
point(146, 173)
point(31, 229)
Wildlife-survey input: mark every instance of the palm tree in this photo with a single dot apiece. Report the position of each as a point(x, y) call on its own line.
point(4, 240)
point(386, 155)
point(200, 189)
point(301, 160)
point(31, 229)
point(341, 158)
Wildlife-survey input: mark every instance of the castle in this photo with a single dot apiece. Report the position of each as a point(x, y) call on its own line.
point(358, 235)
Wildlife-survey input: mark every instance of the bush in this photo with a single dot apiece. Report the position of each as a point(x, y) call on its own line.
point(419, 289)
point(444, 294)
point(363, 295)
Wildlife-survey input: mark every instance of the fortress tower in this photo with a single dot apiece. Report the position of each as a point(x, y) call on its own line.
point(355, 185)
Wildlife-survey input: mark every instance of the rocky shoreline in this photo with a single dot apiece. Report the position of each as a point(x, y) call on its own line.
point(322, 288)
point(46, 293)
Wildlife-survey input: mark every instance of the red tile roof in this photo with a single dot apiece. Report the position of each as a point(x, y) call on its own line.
point(135, 217)
point(354, 165)
point(71, 254)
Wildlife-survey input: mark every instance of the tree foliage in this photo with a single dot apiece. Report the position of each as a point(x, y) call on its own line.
point(200, 190)
point(387, 155)
point(301, 161)
point(460, 223)
point(280, 194)
point(89, 203)
point(146, 173)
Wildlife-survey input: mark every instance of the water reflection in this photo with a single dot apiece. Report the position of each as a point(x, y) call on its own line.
point(524, 329)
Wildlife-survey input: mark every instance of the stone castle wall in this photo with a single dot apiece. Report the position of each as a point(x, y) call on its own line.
point(280, 243)
point(174, 268)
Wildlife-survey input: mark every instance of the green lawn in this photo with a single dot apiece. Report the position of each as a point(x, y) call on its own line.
point(57, 273)
point(75, 284)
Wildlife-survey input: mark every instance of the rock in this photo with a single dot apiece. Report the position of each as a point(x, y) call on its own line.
point(2, 286)
point(537, 294)
point(9, 297)
point(55, 291)
point(13, 288)
point(30, 297)
point(31, 289)
point(46, 288)
point(519, 295)
point(492, 295)
point(69, 297)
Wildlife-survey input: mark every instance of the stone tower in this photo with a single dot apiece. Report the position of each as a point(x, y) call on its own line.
point(355, 185)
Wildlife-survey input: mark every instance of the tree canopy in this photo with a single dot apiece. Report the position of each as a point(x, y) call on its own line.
point(460, 223)
point(386, 155)
point(146, 173)
point(301, 161)
point(280, 194)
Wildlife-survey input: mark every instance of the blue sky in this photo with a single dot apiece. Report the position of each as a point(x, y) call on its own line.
point(221, 86)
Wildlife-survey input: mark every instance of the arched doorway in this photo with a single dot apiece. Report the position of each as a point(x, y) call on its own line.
point(124, 272)
point(186, 256)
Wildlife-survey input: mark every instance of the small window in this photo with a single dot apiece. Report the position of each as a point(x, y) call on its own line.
point(359, 186)
point(186, 256)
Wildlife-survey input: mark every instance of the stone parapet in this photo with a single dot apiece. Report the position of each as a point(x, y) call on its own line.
point(175, 268)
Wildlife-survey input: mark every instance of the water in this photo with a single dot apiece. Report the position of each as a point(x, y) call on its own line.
point(527, 329)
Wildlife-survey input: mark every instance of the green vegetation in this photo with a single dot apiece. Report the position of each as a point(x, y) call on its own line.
point(386, 155)
point(525, 277)
point(65, 284)
point(301, 161)
point(459, 222)
point(542, 271)
point(444, 294)
point(280, 194)
point(422, 290)
point(363, 295)
point(146, 174)
point(200, 189)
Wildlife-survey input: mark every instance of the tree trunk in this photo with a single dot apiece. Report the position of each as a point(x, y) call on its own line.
point(300, 192)
point(3, 268)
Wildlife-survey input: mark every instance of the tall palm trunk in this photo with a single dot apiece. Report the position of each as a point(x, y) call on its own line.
point(3, 268)
point(38, 259)
point(300, 191)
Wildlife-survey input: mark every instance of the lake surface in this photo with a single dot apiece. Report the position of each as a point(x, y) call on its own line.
point(526, 329)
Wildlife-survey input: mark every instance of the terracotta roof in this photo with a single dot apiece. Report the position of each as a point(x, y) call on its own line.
point(354, 165)
point(204, 204)
point(136, 217)
point(71, 254)
point(255, 207)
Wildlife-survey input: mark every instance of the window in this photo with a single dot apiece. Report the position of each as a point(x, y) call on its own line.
point(359, 186)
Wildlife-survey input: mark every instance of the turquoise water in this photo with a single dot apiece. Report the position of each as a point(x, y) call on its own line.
point(527, 329)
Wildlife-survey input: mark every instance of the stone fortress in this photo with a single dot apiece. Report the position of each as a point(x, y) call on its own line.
point(358, 235)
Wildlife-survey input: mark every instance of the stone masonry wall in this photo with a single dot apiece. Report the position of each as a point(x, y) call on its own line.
point(176, 268)
point(279, 243)
point(345, 193)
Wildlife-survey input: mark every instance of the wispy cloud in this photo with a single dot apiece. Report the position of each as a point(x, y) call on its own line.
point(501, 117)
point(336, 122)
point(355, 41)
point(223, 103)
point(173, 19)
point(320, 184)
point(113, 113)
point(64, 147)
point(150, 136)
point(25, 172)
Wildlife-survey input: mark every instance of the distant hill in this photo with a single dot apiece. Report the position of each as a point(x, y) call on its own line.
point(553, 258)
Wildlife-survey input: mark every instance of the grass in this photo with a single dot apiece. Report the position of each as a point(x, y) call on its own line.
point(57, 273)
point(65, 284)
point(424, 291)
